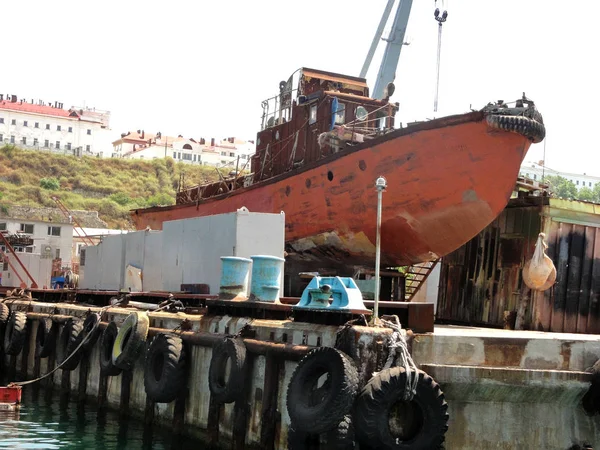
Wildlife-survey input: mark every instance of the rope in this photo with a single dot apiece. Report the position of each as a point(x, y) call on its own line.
point(399, 348)
point(83, 341)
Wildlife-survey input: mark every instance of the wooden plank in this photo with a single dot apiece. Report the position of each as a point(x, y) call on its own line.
point(593, 325)
point(562, 269)
point(546, 302)
point(586, 280)
point(576, 252)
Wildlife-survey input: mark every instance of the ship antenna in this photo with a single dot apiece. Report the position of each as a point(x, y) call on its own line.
point(440, 19)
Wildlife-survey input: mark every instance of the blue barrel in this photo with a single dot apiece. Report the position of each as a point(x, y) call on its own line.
point(234, 277)
point(266, 278)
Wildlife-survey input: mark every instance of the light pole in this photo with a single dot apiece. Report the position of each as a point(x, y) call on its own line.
point(380, 184)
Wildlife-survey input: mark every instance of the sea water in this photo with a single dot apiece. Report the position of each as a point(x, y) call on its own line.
point(47, 420)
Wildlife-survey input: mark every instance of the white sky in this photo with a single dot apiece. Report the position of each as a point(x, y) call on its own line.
point(201, 68)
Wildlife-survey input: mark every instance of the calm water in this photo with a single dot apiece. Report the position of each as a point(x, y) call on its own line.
point(47, 422)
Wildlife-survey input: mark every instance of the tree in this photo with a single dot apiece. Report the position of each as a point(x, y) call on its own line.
point(51, 184)
point(586, 194)
point(561, 187)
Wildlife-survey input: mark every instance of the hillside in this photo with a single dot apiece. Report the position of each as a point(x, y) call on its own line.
point(110, 186)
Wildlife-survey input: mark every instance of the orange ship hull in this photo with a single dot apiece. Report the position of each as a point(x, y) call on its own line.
point(447, 180)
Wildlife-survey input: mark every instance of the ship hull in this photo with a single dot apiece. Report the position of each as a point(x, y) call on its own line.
point(447, 180)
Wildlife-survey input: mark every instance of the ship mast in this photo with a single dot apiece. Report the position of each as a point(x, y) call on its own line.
point(395, 41)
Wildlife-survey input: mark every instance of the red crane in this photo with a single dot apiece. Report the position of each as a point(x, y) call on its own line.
point(78, 228)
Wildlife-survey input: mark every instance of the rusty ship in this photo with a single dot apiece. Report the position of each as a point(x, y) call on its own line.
point(317, 158)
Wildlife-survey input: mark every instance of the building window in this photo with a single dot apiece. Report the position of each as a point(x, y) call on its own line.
point(223, 153)
point(47, 126)
point(13, 122)
point(178, 155)
point(68, 146)
point(26, 228)
point(3, 226)
point(57, 253)
point(590, 183)
point(187, 156)
point(57, 144)
point(534, 176)
point(28, 249)
point(89, 131)
point(1, 119)
point(46, 143)
point(37, 125)
point(24, 123)
point(1, 138)
point(5, 266)
point(58, 127)
point(53, 231)
point(577, 182)
point(194, 158)
point(70, 129)
point(24, 140)
point(35, 141)
point(232, 154)
point(174, 155)
point(87, 148)
point(12, 139)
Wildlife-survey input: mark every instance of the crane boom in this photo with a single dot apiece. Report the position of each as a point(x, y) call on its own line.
point(376, 38)
point(391, 56)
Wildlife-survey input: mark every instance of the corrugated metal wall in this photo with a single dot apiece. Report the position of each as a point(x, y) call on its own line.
point(483, 279)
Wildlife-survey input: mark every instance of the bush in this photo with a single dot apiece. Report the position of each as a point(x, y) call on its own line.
point(51, 184)
point(160, 200)
point(121, 198)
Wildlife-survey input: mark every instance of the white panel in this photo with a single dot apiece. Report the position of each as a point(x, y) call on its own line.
point(172, 271)
point(206, 240)
point(112, 262)
point(153, 262)
point(91, 273)
point(134, 248)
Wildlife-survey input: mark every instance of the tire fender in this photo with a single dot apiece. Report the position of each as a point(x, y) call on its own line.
point(107, 342)
point(14, 334)
point(68, 341)
point(164, 368)
point(421, 423)
point(45, 338)
point(130, 340)
point(316, 409)
point(223, 389)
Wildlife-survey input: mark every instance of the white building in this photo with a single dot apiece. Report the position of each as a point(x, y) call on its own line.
point(228, 152)
point(41, 126)
point(537, 171)
point(50, 241)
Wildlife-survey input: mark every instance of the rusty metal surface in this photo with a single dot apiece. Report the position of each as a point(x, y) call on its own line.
point(482, 280)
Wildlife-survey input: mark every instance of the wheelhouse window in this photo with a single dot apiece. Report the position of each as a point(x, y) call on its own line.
point(340, 114)
point(312, 117)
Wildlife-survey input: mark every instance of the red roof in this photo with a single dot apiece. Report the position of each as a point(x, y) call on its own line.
point(38, 109)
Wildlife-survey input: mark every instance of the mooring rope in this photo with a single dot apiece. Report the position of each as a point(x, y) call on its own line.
point(83, 341)
point(399, 346)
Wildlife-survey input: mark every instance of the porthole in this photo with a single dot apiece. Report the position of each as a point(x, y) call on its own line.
point(362, 165)
point(330, 175)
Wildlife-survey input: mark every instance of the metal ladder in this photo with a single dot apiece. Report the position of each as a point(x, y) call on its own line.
point(416, 276)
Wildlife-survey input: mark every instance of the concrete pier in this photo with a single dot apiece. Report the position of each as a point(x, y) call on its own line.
point(512, 389)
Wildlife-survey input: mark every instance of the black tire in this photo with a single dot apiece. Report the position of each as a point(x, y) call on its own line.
point(300, 440)
point(130, 341)
point(14, 335)
point(68, 341)
point(227, 389)
point(91, 331)
point(341, 437)
point(164, 369)
point(426, 414)
point(531, 129)
point(4, 313)
point(107, 341)
point(45, 338)
point(315, 409)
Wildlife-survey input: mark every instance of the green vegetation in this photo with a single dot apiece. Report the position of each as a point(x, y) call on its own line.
point(110, 186)
point(561, 187)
